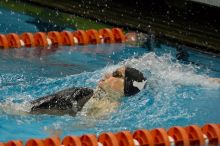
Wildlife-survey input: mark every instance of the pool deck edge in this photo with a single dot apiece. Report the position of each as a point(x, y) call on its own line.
point(170, 30)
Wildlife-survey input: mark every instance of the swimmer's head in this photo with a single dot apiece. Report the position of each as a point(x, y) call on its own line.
point(134, 81)
point(124, 80)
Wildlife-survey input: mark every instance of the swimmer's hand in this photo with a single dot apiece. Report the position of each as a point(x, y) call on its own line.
point(54, 132)
point(214, 80)
point(136, 39)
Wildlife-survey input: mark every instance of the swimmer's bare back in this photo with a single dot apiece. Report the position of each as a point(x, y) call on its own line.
point(68, 101)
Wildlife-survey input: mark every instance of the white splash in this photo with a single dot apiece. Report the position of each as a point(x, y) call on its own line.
point(16, 108)
point(163, 68)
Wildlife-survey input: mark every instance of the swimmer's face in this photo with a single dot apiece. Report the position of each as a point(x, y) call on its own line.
point(113, 82)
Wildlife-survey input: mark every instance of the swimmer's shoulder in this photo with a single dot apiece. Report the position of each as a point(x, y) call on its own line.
point(65, 100)
point(70, 93)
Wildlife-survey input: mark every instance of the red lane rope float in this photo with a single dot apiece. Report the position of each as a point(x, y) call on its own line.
point(89, 140)
point(28, 39)
point(13, 40)
point(93, 36)
point(67, 38)
point(14, 143)
point(179, 135)
point(107, 35)
point(143, 137)
point(118, 35)
point(3, 41)
point(160, 137)
point(52, 141)
point(40, 39)
point(108, 139)
point(125, 138)
point(34, 142)
point(55, 37)
point(71, 141)
point(81, 36)
point(195, 135)
point(213, 133)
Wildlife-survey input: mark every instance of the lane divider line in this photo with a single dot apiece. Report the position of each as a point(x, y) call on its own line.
point(64, 38)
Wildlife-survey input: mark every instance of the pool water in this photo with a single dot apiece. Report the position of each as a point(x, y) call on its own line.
point(178, 92)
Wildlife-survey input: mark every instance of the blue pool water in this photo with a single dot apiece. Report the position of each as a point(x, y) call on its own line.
point(178, 91)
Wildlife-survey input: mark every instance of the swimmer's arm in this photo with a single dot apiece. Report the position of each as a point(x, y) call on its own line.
point(214, 80)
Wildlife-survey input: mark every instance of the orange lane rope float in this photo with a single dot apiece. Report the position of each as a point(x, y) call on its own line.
point(28, 39)
point(14, 143)
point(160, 137)
point(212, 133)
point(108, 139)
point(3, 42)
point(93, 36)
point(193, 135)
point(196, 137)
point(143, 137)
point(14, 40)
point(34, 142)
point(65, 38)
point(106, 35)
point(71, 141)
point(179, 135)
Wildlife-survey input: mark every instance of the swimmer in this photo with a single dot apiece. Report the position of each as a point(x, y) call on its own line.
point(124, 81)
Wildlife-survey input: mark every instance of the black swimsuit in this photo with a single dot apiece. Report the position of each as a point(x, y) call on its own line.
point(68, 101)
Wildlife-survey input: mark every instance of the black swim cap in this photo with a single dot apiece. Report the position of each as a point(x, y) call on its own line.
point(134, 81)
